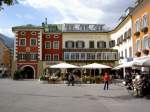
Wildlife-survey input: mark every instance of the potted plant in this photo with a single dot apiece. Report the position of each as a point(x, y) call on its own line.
point(137, 33)
point(18, 75)
point(145, 51)
point(53, 79)
point(138, 54)
point(42, 79)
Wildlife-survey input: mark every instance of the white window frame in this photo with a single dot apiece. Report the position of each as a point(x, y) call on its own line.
point(55, 55)
point(46, 44)
point(54, 45)
point(20, 41)
point(35, 41)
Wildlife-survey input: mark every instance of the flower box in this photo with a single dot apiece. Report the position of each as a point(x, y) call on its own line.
point(145, 30)
point(145, 51)
point(137, 33)
point(138, 54)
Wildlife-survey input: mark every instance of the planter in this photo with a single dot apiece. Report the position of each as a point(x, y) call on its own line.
point(43, 81)
point(146, 51)
point(137, 33)
point(65, 82)
point(128, 36)
point(138, 54)
point(145, 30)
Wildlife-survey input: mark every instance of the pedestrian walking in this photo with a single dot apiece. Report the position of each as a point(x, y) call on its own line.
point(71, 79)
point(106, 80)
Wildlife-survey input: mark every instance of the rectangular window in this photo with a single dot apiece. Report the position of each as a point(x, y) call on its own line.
point(47, 45)
point(122, 54)
point(137, 24)
point(21, 56)
point(91, 56)
point(83, 56)
point(145, 43)
point(33, 42)
point(145, 21)
point(47, 57)
point(69, 44)
point(129, 32)
point(33, 56)
point(91, 44)
point(99, 56)
point(66, 56)
point(56, 44)
point(22, 42)
point(101, 44)
point(56, 57)
point(125, 53)
point(138, 45)
point(79, 44)
point(130, 51)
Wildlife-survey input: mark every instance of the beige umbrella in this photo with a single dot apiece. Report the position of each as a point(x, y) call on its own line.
point(64, 66)
point(95, 66)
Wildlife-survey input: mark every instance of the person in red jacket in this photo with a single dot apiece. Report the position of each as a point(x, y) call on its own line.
point(106, 80)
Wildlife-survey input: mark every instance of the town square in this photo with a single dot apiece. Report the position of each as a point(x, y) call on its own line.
point(78, 55)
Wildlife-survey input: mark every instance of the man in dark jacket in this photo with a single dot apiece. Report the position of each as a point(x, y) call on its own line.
point(71, 79)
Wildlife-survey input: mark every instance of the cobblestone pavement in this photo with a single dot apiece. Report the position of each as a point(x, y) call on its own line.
point(31, 96)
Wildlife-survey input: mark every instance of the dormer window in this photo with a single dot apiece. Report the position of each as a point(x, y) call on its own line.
point(33, 33)
point(23, 33)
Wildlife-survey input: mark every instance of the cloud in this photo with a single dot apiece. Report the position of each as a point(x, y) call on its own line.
point(25, 16)
point(82, 11)
point(7, 31)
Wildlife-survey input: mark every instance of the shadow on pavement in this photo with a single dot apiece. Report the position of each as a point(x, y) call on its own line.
point(123, 97)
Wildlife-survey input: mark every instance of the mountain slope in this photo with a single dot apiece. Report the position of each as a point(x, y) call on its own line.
point(7, 40)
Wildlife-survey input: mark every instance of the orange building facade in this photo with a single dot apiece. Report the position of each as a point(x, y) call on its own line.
point(141, 29)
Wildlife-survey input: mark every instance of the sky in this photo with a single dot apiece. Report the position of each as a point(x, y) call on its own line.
point(62, 11)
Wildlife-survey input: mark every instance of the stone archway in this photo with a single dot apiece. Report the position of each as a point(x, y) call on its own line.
point(28, 72)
